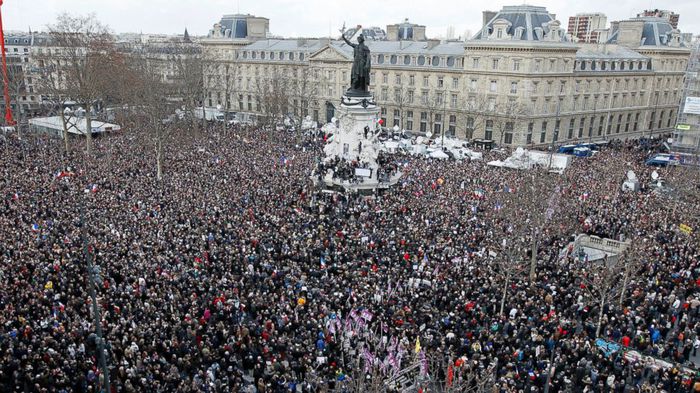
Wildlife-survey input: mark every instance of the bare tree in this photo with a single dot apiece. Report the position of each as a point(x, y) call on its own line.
point(273, 96)
point(507, 117)
point(80, 64)
point(602, 282)
point(190, 83)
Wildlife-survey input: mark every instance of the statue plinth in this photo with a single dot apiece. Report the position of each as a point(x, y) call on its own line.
point(355, 145)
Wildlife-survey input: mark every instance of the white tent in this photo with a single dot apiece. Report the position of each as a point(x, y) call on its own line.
point(77, 125)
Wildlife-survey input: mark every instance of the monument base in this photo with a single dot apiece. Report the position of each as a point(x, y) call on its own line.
point(351, 162)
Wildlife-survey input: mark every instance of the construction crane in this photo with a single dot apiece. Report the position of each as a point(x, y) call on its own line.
point(6, 81)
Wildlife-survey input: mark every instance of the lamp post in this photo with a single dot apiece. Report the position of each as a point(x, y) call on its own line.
point(92, 280)
point(556, 133)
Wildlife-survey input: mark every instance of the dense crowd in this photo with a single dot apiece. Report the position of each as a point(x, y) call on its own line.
point(234, 274)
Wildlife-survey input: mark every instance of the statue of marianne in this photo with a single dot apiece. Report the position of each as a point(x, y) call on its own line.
point(359, 77)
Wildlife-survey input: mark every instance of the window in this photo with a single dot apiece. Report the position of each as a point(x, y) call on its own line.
point(590, 126)
point(493, 86)
point(397, 117)
point(508, 136)
point(516, 65)
point(384, 95)
point(470, 128)
point(562, 87)
point(543, 132)
point(426, 81)
point(397, 95)
point(530, 129)
point(397, 79)
point(488, 129)
point(636, 121)
point(494, 64)
point(435, 61)
point(411, 80)
point(600, 125)
point(385, 78)
point(407, 60)
point(619, 123)
point(421, 60)
point(513, 87)
point(424, 97)
point(455, 83)
point(451, 130)
point(380, 59)
point(450, 61)
point(475, 62)
point(492, 103)
point(453, 101)
point(409, 125)
point(472, 84)
point(393, 59)
point(499, 33)
point(556, 131)
point(571, 129)
point(423, 121)
point(410, 97)
point(538, 65)
point(581, 121)
point(441, 82)
point(627, 123)
point(439, 98)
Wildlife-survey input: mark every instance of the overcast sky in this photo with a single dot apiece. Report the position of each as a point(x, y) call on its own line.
point(313, 18)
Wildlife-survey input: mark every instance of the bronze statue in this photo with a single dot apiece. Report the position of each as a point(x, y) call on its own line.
point(359, 77)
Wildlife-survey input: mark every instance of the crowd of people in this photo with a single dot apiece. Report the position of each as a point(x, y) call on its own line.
point(233, 274)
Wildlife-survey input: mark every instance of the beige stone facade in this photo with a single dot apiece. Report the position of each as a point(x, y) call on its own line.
point(513, 91)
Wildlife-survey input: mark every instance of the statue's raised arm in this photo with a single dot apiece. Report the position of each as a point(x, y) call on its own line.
point(347, 41)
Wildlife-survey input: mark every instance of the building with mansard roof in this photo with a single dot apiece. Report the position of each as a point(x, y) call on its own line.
point(519, 81)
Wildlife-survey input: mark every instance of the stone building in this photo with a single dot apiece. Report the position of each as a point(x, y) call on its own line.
point(517, 82)
point(24, 94)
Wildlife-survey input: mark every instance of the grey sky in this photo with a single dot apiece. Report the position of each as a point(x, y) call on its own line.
point(311, 18)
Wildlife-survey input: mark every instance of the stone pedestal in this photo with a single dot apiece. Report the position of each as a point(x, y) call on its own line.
point(351, 153)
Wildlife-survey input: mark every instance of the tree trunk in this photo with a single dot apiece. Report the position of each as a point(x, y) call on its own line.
point(600, 315)
point(624, 285)
point(88, 129)
point(533, 260)
point(65, 132)
point(159, 158)
point(505, 292)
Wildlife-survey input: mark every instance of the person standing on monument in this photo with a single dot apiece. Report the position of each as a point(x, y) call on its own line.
point(359, 77)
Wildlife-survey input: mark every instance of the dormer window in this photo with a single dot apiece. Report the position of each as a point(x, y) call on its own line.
point(519, 32)
point(499, 33)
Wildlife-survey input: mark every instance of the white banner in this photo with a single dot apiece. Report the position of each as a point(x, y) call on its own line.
point(362, 172)
point(692, 105)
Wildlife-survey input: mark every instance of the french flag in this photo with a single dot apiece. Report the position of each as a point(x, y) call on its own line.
point(93, 188)
point(62, 174)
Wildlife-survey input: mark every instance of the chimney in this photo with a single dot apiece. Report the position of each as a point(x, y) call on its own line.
point(432, 44)
point(487, 16)
point(630, 33)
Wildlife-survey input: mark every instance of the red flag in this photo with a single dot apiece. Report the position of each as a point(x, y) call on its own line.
point(450, 375)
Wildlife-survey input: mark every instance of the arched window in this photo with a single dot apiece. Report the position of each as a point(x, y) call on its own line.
point(603, 65)
point(612, 66)
point(593, 65)
point(451, 61)
point(583, 65)
point(421, 60)
point(253, 54)
point(380, 59)
point(291, 55)
point(301, 56)
point(407, 60)
point(393, 59)
point(272, 55)
point(245, 55)
point(622, 66)
point(262, 55)
point(435, 61)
